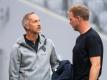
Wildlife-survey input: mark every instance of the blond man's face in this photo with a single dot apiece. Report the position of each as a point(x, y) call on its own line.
point(74, 22)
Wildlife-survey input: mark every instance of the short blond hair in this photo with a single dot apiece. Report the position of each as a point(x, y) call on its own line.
point(80, 10)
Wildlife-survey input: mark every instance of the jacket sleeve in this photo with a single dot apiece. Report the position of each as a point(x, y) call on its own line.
point(14, 64)
point(54, 61)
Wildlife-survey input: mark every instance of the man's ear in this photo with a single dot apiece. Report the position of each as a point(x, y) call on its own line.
point(27, 25)
point(79, 18)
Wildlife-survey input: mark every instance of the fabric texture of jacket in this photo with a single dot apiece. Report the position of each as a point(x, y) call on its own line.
point(27, 64)
point(64, 71)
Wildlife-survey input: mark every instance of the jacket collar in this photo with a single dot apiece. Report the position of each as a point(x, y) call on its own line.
point(42, 41)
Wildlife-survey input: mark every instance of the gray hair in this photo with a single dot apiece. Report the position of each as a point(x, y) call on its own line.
point(26, 18)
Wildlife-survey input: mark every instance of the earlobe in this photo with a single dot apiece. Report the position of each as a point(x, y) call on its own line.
point(26, 24)
point(79, 18)
point(27, 27)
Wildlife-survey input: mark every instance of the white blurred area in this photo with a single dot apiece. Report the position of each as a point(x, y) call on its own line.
point(54, 25)
point(98, 10)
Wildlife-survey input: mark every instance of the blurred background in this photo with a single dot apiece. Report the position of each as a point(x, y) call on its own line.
point(55, 25)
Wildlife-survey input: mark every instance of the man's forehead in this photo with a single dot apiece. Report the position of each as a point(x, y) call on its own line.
point(33, 16)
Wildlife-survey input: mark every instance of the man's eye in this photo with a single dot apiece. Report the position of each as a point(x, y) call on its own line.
point(70, 19)
point(35, 21)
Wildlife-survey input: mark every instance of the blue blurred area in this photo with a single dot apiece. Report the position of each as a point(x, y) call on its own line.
point(54, 25)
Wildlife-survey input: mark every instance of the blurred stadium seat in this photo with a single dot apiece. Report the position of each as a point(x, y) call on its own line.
point(77, 1)
point(105, 4)
point(98, 8)
point(102, 18)
point(55, 5)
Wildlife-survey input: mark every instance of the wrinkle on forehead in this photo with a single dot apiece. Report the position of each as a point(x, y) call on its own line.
point(34, 17)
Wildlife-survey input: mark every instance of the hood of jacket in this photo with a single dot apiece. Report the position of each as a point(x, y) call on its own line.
point(42, 42)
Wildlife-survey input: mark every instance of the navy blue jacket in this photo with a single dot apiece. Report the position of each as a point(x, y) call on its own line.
point(64, 71)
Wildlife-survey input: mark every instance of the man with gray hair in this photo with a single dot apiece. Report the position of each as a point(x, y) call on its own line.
point(33, 55)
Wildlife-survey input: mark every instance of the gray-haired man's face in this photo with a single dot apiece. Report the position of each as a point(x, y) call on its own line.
point(33, 24)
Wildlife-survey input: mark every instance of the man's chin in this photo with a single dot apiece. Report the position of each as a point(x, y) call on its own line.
point(37, 32)
point(75, 29)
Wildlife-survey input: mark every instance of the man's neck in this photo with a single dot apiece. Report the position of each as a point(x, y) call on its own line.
point(84, 27)
point(32, 37)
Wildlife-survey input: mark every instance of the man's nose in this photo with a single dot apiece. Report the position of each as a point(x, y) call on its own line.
point(39, 23)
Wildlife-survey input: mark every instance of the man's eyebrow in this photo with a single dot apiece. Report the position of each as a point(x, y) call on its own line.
point(36, 20)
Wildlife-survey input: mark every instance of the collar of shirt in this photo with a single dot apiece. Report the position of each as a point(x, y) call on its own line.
point(31, 44)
